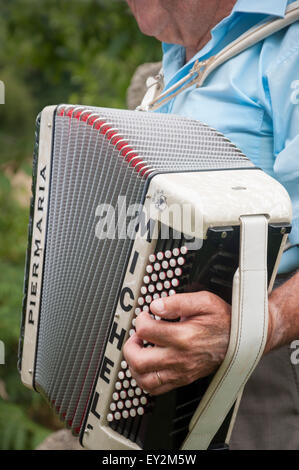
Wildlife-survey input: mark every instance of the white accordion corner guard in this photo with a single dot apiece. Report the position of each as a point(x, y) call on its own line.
point(128, 207)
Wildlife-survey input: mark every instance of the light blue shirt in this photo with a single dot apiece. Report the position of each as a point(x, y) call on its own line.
point(253, 98)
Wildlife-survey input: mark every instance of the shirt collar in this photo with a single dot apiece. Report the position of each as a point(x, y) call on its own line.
point(266, 7)
point(248, 12)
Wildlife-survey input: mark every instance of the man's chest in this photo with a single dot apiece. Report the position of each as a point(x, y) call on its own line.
point(232, 100)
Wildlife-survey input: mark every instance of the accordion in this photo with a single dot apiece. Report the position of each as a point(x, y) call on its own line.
point(128, 207)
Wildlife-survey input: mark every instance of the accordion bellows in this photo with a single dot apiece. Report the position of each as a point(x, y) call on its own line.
point(85, 158)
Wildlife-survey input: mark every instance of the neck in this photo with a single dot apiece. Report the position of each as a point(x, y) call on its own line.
point(222, 12)
point(192, 50)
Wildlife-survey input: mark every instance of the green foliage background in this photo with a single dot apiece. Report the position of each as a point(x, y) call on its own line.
point(51, 51)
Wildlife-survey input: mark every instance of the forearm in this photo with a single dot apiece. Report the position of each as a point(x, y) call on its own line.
point(284, 314)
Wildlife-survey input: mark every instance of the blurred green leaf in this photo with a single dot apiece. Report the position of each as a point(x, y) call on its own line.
point(17, 430)
point(52, 51)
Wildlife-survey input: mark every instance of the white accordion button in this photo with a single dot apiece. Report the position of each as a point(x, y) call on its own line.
point(133, 383)
point(149, 269)
point(152, 258)
point(178, 272)
point(157, 266)
point(143, 400)
point(128, 403)
point(135, 401)
point(148, 299)
point(126, 384)
point(159, 286)
point(181, 261)
point(165, 264)
point(118, 386)
point(176, 252)
point(169, 274)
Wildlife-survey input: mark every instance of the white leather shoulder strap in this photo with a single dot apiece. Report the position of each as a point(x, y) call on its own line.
point(201, 70)
point(249, 328)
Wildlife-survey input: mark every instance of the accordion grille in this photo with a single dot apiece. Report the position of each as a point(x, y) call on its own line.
point(99, 155)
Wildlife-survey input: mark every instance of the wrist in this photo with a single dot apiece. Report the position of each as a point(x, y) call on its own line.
point(274, 325)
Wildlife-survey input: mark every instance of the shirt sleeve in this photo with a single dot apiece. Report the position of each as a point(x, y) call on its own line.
point(282, 87)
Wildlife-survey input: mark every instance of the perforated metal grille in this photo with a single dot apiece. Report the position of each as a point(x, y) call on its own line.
point(98, 155)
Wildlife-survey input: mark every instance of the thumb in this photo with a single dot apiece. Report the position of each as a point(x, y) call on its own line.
point(188, 305)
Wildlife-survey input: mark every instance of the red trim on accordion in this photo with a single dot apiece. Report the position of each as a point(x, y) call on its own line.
point(111, 134)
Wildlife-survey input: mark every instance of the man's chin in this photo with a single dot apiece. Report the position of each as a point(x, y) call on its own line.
point(153, 26)
point(149, 30)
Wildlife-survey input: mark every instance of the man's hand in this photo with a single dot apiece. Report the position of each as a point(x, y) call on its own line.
point(184, 351)
point(195, 346)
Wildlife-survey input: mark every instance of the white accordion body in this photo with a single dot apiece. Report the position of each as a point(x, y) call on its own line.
point(91, 270)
